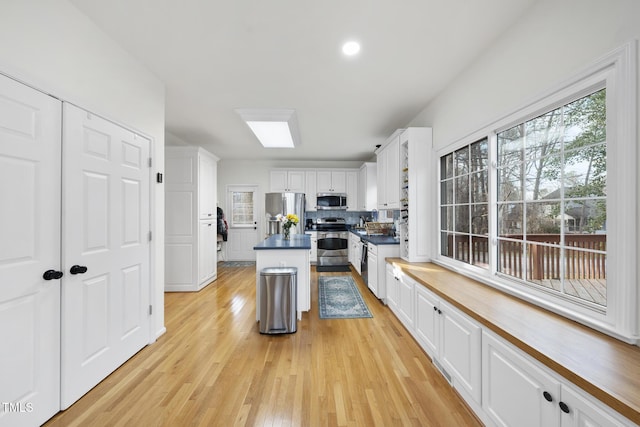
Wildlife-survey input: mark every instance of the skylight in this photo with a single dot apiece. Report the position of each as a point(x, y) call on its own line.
point(273, 128)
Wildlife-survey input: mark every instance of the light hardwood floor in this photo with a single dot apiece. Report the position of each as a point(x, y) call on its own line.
point(213, 368)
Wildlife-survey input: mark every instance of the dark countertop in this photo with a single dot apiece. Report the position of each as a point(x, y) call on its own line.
point(376, 239)
point(298, 241)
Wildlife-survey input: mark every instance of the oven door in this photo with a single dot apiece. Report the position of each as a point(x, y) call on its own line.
point(333, 248)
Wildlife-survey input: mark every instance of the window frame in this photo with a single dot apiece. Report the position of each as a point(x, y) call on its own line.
point(617, 73)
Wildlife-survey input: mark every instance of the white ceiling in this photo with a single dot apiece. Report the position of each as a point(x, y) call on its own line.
point(216, 56)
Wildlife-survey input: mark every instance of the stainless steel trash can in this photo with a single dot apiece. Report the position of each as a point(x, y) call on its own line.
point(278, 300)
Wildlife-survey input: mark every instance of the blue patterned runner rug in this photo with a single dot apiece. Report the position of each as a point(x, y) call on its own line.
point(339, 298)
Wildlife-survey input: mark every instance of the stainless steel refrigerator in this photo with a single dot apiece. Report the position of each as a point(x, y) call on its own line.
point(283, 204)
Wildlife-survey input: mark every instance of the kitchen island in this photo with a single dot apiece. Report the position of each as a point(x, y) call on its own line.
point(275, 251)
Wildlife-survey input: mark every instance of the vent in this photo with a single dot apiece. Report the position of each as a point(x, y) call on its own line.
point(444, 373)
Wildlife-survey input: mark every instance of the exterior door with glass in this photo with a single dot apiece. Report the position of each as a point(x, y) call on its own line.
point(242, 218)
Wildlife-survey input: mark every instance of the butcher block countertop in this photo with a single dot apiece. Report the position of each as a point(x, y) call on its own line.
point(604, 367)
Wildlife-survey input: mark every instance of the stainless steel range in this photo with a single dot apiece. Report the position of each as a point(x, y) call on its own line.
point(333, 243)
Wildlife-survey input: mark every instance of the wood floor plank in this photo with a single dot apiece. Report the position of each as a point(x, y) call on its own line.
point(214, 368)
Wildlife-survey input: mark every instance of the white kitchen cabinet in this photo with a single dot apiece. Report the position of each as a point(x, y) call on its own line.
point(585, 411)
point(355, 251)
point(376, 268)
point(190, 222)
point(388, 180)
point(392, 282)
point(287, 180)
point(352, 190)
point(460, 351)
point(518, 390)
point(207, 193)
point(207, 254)
point(415, 194)
point(331, 181)
point(368, 187)
point(314, 246)
point(406, 302)
point(450, 337)
point(372, 270)
point(310, 190)
point(427, 320)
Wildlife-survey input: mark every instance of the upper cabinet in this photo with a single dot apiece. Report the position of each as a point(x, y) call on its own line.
point(314, 181)
point(352, 190)
point(331, 181)
point(367, 187)
point(207, 167)
point(287, 180)
point(310, 191)
point(388, 159)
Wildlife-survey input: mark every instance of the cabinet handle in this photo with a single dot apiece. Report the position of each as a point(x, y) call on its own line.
point(435, 308)
point(52, 275)
point(548, 396)
point(564, 407)
point(439, 311)
point(78, 269)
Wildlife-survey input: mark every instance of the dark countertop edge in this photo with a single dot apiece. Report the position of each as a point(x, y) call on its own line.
point(377, 239)
point(275, 242)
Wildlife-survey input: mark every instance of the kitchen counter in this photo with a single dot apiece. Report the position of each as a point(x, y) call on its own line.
point(375, 239)
point(297, 241)
point(275, 251)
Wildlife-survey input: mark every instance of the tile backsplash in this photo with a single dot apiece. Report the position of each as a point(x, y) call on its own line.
point(353, 217)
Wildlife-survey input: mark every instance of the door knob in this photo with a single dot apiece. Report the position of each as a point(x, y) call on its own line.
point(52, 275)
point(78, 269)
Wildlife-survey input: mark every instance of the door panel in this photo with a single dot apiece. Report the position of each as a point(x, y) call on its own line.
point(106, 225)
point(243, 225)
point(29, 246)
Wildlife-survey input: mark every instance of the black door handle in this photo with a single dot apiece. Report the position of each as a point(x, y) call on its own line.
point(52, 275)
point(78, 269)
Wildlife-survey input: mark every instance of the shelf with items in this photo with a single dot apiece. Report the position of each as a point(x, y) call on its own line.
point(403, 223)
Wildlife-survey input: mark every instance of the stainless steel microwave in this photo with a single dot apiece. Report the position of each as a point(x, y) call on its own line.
point(327, 201)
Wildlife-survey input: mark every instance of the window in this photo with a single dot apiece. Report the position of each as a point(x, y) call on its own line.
point(242, 208)
point(551, 206)
point(464, 184)
point(543, 203)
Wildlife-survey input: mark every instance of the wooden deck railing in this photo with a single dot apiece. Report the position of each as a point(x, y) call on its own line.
point(543, 261)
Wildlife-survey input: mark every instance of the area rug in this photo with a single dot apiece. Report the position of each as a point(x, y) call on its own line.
point(339, 298)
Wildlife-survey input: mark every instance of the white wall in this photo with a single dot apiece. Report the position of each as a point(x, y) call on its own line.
point(553, 42)
point(50, 45)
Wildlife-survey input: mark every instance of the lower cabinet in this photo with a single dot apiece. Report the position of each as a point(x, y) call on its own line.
point(313, 257)
point(405, 306)
point(376, 267)
point(452, 339)
point(504, 386)
point(393, 282)
point(355, 251)
point(372, 270)
point(517, 390)
point(207, 241)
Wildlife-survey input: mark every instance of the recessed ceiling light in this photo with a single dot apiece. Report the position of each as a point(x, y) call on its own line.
point(351, 48)
point(273, 128)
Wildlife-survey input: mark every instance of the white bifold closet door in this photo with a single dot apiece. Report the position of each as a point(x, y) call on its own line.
point(29, 247)
point(105, 235)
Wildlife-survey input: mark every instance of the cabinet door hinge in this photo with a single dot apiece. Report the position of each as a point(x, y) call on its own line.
point(150, 310)
point(150, 236)
point(150, 162)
